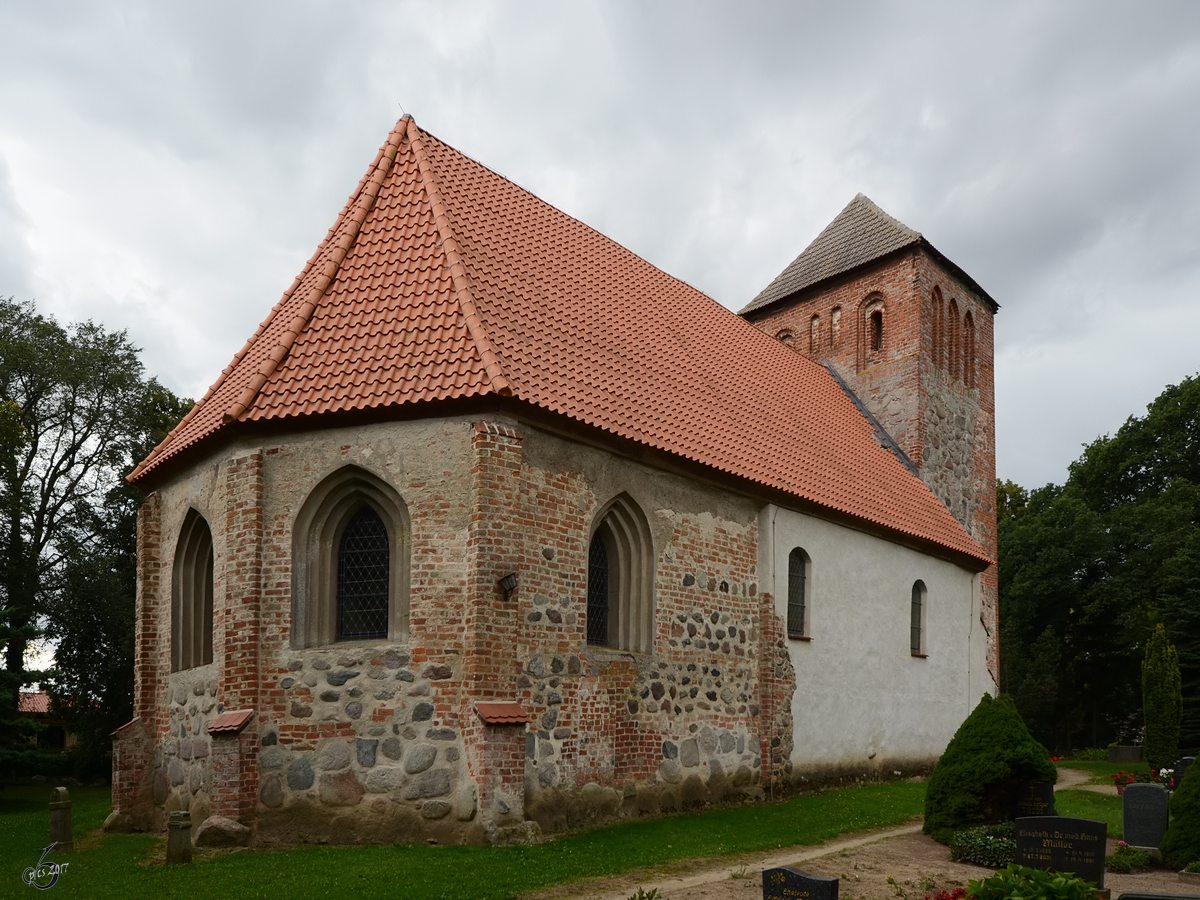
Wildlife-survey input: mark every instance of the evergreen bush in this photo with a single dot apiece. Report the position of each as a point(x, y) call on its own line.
point(1162, 700)
point(1181, 845)
point(982, 770)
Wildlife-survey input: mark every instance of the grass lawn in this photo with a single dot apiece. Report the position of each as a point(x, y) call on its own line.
point(1090, 805)
point(118, 865)
point(1100, 771)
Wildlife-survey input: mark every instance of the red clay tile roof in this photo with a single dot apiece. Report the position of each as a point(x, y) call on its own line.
point(233, 721)
point(441, 279)
point(502, 713)
point(33, 703)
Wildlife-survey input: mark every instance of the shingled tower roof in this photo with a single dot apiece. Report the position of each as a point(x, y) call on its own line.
point(441, 282)
point(860, 234)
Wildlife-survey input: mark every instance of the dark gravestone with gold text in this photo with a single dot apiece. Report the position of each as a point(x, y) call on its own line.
point(1065, 844)
point(1036, 798)
point(786, 883)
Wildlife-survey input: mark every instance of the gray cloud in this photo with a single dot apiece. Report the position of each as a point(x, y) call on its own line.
point(167, 169)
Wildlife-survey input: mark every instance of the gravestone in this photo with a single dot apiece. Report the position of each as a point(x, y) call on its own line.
point(1125, 754)
point(179, 838)
point(60, 820)
point(786, 883)
point(1036, 798)
point(1181, 768)
point(1144, 815)
point(1060, 842)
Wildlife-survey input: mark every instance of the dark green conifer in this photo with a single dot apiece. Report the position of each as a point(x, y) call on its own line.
point(1181, 845)
point(982, 770)
point(1162, 700)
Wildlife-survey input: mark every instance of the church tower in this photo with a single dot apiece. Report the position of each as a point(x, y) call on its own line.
point(910, 334)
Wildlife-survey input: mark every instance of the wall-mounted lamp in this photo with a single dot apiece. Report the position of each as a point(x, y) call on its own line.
point(508, 584)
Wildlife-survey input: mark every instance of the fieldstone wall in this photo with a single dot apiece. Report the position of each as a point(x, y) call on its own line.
point(379, 740)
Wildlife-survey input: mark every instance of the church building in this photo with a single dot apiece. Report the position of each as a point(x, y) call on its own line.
point(493, 527)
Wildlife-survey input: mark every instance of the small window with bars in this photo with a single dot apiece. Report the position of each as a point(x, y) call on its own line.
point(917, 620)
point(362, 578)
point(797, 595)
point(597, 595)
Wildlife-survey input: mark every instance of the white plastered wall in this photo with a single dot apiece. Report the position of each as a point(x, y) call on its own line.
point(863, 702)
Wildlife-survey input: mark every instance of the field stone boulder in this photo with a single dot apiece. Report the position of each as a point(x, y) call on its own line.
point(708, 741)
point(689, 753)
point(670, 771)
point(342, 789)
point(272, 792)
point(383, 779)
point(272, 758)
point(392, 748)
point(435, 809)
point(420, 758)
point(219, 831)
point(333, 755)
point(434, 783)
point(300, 774)
point(599, 801)
point(160, 786)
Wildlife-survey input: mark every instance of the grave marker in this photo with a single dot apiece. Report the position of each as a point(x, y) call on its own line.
point(1036, 798)
point(787, 883)
point(1144, 814)
point(60, 820)
point(1063, 843)
point(1181, 768)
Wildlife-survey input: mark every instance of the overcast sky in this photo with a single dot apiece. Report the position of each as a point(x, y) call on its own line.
point(168, 168)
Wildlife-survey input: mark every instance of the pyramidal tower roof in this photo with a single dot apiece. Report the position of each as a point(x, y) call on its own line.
point(860, 234)
point(443, 283)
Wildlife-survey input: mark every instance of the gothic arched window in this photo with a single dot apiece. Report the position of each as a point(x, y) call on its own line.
point(620, 590)
point(192, 595)
point(350, 562)
point(362, 580)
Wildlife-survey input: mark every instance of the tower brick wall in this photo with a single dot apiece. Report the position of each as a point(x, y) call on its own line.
point(930, 384)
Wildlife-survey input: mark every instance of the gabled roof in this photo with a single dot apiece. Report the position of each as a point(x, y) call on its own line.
point(443, 280)
point(860, 234)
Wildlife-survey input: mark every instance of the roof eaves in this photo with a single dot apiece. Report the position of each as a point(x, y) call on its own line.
point(458, 272)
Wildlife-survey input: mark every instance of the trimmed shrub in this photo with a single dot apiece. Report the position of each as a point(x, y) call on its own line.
point(987, 845)
point(1030, 884)
point(977, 780)
point(1181, 845)
point(1162, 700)
point(1092, 754)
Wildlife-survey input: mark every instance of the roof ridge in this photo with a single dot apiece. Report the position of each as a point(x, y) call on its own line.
point(458, 271)
point(357, 215)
